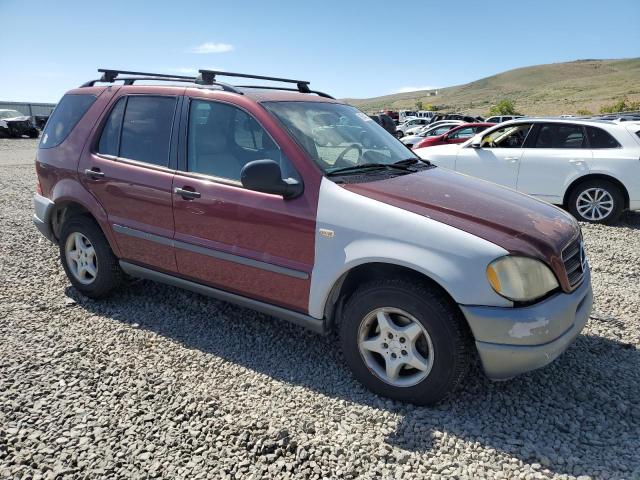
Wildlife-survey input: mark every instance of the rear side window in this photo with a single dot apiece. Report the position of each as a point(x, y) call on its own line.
point(560, 135)
point(64, 118)
point(598, 138)
point(139, 128)
point(110, 138)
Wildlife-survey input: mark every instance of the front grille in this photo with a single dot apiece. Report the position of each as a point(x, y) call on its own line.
point(575, 261)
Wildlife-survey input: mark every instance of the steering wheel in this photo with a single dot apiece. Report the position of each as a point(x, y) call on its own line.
point(340, 162)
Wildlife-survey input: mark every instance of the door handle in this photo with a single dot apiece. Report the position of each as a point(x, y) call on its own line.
point(512, 159)
point(187, 194)
point(94, 173)
point(576, 160)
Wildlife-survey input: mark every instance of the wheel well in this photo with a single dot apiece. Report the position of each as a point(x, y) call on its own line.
point(349, 282)
point(596, 176)
point(64, 212)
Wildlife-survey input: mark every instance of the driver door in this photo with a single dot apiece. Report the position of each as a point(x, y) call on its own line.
point(251, 243)
point(497, 158)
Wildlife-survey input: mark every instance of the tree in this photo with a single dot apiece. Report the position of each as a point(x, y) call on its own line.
point(584, 112)
point(430, 108)
point(418, 104)
point(503, 107)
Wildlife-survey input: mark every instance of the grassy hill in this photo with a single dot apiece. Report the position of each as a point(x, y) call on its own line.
point(551, 89)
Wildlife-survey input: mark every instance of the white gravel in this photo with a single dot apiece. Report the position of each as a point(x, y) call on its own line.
point(159, 382)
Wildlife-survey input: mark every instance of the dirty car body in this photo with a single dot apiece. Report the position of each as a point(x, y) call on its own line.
point(355, 234)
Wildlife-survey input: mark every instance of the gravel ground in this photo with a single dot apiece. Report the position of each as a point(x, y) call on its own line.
point(159, 382)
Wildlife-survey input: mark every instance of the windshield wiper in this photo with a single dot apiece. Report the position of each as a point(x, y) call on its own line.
point(412, 161)
point(371, 167)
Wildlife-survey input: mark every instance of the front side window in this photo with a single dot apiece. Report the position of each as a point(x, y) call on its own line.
point(512, 136)
point(560, 135)
point(336, 135)
point(463, 133)
point(222, 139)
point(64, 118)
point(598, 138)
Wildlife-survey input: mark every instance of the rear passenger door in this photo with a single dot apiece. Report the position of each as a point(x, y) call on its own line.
point(251, 243)
point(555, 155)
point(129, 168)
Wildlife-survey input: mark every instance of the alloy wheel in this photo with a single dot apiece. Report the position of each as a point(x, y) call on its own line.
point(594, 204)
point(395, 347)
point(81, 258)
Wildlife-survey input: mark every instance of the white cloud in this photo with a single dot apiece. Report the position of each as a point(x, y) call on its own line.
point(211, 47)
point(414, 89)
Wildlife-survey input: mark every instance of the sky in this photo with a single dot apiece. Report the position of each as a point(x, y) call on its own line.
point(355, 49)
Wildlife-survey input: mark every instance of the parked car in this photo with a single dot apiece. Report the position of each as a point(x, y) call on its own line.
point(404, 115)
point(226, 191)
point(590, 167)
point(457, 116)
point(15, 124)
point(412, 122)
point(417, 130)
point(386, 122)
point(40, 121)
point(457, 134)
point(502, 118)
point(425, 114)
point(442, 127)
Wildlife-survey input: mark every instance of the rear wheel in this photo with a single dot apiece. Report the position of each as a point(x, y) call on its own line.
point(596, 201)
point(87, 258)
point(404, 341)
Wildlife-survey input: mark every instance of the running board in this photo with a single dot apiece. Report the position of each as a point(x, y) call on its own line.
point(314, 324)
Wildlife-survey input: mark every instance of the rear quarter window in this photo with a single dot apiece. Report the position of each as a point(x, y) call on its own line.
point(598, 138)
point(64, 118)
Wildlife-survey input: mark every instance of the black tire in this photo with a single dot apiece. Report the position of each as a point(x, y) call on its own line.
point(612, 189)
point(109, 275)
point(33, 134)
point(439, 317)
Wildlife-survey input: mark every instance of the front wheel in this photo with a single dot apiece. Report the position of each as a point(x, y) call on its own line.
point(596, 201)
point(404, 341)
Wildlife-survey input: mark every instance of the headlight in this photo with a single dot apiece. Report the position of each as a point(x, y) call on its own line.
point(520, 278)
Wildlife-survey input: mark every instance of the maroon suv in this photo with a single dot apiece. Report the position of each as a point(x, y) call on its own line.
point(295, 204)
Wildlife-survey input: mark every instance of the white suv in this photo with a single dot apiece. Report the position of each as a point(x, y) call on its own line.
point(591, 167)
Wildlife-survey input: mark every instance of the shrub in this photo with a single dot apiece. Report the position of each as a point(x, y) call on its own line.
point(503, 107)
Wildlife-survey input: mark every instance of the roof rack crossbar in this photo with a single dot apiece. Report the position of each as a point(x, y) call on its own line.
point(109, 75)
point(207, 76)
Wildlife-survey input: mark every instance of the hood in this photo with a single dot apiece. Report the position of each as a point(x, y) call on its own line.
point(516, 222)
point(17, 119)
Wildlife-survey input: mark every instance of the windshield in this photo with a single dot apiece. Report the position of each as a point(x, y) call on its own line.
point(338, 136)
point(10, 114)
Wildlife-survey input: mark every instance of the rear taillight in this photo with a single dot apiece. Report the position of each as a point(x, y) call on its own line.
point(38, 188)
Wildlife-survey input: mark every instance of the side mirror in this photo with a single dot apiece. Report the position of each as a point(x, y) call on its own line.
point(265, 176)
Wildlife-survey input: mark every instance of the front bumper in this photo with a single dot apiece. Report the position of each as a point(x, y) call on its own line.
point(511, 341)
point(43, 208)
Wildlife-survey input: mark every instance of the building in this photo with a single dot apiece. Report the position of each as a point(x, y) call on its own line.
point(26, 108)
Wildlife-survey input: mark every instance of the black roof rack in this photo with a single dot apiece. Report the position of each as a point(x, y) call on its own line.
point(110, 75)
point(206, 77)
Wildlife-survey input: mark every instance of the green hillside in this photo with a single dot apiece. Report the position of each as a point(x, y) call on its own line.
point(551, 89)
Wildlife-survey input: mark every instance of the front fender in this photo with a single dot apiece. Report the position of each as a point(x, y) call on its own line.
point(354, 230)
